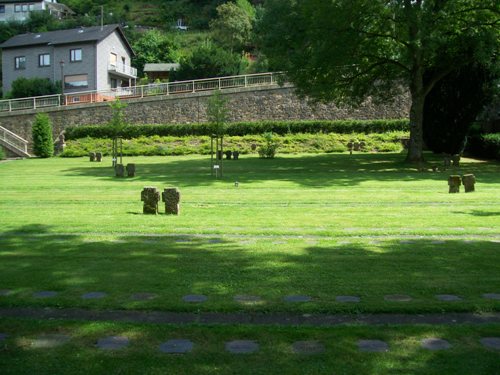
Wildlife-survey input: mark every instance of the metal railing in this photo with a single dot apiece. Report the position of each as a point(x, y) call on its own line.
point(14, 140)
point(154, 89)
point(122, 68)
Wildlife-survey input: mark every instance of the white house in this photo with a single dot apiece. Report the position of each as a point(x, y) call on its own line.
point(19, 10)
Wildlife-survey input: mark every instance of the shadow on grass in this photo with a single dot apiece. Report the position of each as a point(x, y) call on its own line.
point(308, 170)
point(33, 259)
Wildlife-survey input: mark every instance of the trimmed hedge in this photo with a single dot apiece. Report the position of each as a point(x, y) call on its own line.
point(43, 145)
point(486, 145)
point(243, 128)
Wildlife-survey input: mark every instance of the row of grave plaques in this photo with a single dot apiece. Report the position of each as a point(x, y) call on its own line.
point(150, 196)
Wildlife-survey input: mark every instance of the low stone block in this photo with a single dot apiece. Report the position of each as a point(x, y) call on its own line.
point(98, 156)
point(172, 198)
point(454, 183)
point(447, 161)
point(469, 180)
point(91, 156)
point(131, 170)
point(456, 160)
point(150, 196)
point(119, 170)
point(228, 155)
point(236, 155)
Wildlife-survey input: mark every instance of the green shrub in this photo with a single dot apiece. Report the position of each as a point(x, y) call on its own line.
point(245, 128)
point(268, 149)
point(43, 145)
point(27, 87)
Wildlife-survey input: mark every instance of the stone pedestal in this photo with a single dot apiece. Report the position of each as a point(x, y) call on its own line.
point(447, 161)
point(468, 180)
point(119, 170)
point(172, 198)
point(236, 155)
point(456, 160)
point(454, 183)
point(98, 156)
point(131, 170)
point(92, 156)
point(228, 154)
point(150, 196)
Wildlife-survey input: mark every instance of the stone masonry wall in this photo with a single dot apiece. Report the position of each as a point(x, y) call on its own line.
point(269, 103)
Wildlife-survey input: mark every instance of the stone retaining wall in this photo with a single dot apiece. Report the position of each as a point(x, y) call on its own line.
point(266, 103)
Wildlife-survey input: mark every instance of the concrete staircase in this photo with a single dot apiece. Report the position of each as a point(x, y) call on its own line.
point(14, 143)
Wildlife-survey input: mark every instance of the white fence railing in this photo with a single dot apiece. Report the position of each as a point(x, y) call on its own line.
point(171, 88)
point(14, 140)
point(122, 68)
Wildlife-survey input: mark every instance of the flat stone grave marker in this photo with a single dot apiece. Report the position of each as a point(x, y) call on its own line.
point(433, 343)
point(308, 347)
point(5, 292)
point(215, 240)
point(397, 298)
point(195, 298)
point(143, 296)
point(50, 341)
point(242, 346)
point(492, 296)
point(438, 242)
point(297, 299)
point(45, 294)
point(354, 299)
point(372, 346)
point(94, 295)
point(177, 346)
point(491, 342)
point(448, 297)
point(247, 299)
point(3, 336)
point(406, 242)
point(112, 343)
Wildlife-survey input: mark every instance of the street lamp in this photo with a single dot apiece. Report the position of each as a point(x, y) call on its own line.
point(62, 81)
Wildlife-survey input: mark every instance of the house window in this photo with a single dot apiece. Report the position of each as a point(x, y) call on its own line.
point(31, 7)
point(18, 8)
point(112, 59)
point(78, 81)
point(20, 62)
point(75, 54)
point(25, 7)
point(2, 8)
point(44, 60)
point(114, 83)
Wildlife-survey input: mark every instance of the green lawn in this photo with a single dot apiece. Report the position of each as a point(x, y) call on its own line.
point(318, 225)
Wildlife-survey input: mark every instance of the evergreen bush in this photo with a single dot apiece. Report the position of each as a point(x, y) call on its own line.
point(43, 145)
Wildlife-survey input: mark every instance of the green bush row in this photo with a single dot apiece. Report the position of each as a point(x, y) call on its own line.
point(486, 145)
point(248, 144)
point(244, 128)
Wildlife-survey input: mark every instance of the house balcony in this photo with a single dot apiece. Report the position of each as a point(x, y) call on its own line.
point(122, 70)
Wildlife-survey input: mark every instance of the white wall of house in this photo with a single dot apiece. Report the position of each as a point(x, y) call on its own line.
point(19, 11)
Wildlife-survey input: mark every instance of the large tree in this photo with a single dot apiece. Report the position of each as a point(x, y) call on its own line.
point(347, 50)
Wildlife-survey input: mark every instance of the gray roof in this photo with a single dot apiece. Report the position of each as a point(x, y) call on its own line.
point(79, 35)
point(19, 1)
point(161, 67)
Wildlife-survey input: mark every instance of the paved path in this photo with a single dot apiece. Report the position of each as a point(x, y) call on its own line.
point(285, 319)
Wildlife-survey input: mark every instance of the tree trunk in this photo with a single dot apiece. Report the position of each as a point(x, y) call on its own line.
point(415, 147)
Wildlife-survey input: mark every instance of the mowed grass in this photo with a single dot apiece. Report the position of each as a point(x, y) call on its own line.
point(316, 225)
point(80, 355)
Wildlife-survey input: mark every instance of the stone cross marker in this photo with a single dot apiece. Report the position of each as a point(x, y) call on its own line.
point(468, 180)
point(150, 196)
point(454, 183)
point(172, 197)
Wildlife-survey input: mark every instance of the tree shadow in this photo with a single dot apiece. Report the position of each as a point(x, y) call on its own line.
point(315, 170)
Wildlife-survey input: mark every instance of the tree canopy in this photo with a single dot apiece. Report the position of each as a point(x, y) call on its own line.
point(347, 50)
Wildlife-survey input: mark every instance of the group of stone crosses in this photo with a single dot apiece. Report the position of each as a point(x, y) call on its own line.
point(151, 197)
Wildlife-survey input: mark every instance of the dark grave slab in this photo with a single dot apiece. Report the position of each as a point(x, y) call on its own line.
point(372, 346)
point(195, 298)
point(5, 292)
point(94, 295)
point(354, 299)
point(491, 342)
point(406, 242)
point(438, 242)
point(297, 299)
point(308, 347)
point(45, 294)
point(433, 343)
point(50, 341)
point(215, 240)
point(397, 298)
point(247, 299)
point(177, 346)
point(3, 336)
point(448, 297)
point(143, 296)
point(495, 296)
point(242, 346)
point(112, 343)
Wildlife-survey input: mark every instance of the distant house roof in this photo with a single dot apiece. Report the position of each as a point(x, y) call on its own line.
point(19, 1)
point(79, 35)
point(161, 67)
